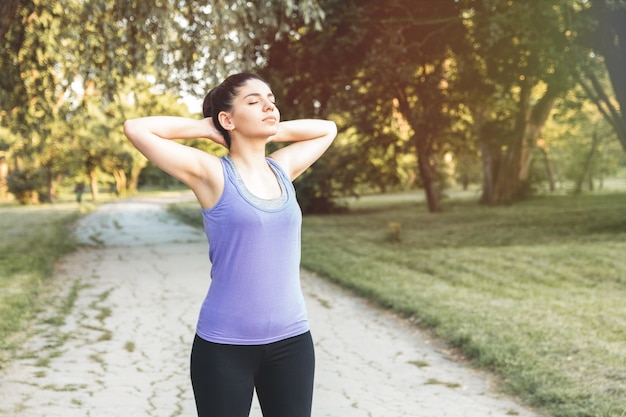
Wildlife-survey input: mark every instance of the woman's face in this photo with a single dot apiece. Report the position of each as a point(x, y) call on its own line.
point(254, 112)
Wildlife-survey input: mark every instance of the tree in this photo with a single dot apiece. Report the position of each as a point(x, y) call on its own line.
point(55, 53)
point(409, 81)
point(505, 63)
point(607, 37)
point(8, 8)
point(138, 99)
point(522, 57)
point(31, 92)
point(580, 143)
point(376, 62)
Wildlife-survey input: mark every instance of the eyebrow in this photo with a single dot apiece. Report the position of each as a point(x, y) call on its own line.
point(259, 95)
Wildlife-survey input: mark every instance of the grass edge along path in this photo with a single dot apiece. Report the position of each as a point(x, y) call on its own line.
point(34, 238)
point(533, 291)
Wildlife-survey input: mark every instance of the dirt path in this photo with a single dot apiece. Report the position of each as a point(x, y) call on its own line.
point(123, 349)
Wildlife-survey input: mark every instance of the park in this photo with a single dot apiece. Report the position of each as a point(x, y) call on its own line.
point(476, 190)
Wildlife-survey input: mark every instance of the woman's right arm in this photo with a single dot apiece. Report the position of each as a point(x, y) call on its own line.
point(201, 171)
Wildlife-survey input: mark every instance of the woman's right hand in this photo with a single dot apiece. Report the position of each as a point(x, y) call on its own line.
point(213, 133)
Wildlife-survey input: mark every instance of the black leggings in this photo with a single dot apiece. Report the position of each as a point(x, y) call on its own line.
point(225, 376)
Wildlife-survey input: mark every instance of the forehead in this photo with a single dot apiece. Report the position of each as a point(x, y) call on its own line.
point(254, 86)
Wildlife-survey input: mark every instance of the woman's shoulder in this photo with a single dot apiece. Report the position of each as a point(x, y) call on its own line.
point(210, 185)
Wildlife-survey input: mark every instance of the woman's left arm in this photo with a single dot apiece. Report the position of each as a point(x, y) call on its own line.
point(310, 137)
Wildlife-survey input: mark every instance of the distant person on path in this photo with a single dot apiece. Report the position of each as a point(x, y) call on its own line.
point(252, 331)
point(79, 190)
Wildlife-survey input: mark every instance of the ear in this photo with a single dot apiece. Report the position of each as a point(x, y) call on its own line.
point(225, 120)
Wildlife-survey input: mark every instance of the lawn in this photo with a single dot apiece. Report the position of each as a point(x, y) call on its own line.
point(33, 239)
point(535, 292)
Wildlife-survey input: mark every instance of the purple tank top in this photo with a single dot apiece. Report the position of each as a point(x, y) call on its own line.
point(255, 295)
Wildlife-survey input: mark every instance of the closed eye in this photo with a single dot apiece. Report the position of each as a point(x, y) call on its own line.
point(252, 103)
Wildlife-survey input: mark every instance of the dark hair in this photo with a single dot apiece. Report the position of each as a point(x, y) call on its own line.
point(221, 98)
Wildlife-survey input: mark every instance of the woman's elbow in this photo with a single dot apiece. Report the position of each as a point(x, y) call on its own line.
point(131, 129)
point(332, 130)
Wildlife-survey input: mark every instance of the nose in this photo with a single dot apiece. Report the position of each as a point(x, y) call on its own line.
point(269, 105)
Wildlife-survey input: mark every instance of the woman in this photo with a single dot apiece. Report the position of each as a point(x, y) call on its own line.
point(252, 331)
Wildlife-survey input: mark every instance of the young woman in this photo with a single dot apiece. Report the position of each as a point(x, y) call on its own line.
point(252, 331)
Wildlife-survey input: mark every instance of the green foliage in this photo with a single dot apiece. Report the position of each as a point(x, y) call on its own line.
point(33, 239)
point(152, 176)
point(605, 32)
point(26, 185)
point(139, 99)
point(423, 92)
point(484, 90)
point(378, 68)
point(68, 67)
point(571, 148)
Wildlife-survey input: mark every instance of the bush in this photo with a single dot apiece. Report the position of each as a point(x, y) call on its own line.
point(26, 185)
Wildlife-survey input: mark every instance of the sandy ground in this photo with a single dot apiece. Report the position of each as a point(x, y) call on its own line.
point(123, 350)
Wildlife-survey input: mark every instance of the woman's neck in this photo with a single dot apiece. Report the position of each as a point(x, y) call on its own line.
point(248, 158)
point(255, 172)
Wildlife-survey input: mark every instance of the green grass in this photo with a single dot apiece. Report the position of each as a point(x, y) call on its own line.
point(33, 239)
point(535, 292)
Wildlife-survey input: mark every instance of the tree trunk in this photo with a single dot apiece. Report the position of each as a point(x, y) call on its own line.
point(513, 173)
point(610, 41)
point(133, 184)
point(4, 173)
point(93, 181)
point(586, 173)
point(465, 181)
point(595, 92)
point(488, 154)
point(548, 166)
point(488, 164)
point(423, 150)
point(507, 182)
point(426, 174)
point(51, 193)
point(526, 153)
point(120, 181)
